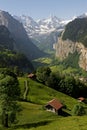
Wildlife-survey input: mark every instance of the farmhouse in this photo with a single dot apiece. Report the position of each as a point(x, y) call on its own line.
point(32, 76)
point(54, 106)
point(81, 99)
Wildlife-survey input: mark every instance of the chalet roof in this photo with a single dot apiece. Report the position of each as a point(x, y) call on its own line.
point(31, 75)
point(81, 98)
point(55, 104)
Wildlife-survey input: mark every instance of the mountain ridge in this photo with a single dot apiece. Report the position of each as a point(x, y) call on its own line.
point(73, 41)
point(41, 26)
point(22, 41)
point(44, 32)
point(9, 58)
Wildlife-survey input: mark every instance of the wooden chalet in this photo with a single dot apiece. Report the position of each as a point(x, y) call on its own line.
point(81, 99)
point(32, 76)
point(54, 106)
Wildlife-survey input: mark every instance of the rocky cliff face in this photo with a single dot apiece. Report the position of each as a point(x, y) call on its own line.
point(65, 47)
point(83, 56)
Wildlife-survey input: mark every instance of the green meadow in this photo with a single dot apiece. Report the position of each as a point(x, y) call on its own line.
point(34, 116)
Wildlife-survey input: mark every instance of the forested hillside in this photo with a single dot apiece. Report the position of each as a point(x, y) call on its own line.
point(8, 57)
point(22, 41)
point(6, 40)
point(76, 31)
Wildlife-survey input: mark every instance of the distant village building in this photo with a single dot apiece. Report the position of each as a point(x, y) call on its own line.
point(83, 79)
point(54, 106)
point(81, 99)
point(31, 76)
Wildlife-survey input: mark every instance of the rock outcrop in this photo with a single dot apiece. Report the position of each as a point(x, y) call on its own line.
point(65, 47)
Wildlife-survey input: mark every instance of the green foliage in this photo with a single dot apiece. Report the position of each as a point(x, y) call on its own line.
point(53, 80)
point(15, 60)
point(9, 94)
point(34, 117)
point(41, 94)
point(12, 117)
point(61, 82)
point(78, 110)
point(8, 57)
point(43, 73)
point(67, 67)
point(69, 86)
point(46, 42)
point(72, 60)
point(76, 31)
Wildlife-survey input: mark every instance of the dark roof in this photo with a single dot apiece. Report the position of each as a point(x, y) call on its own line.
point(55, 104)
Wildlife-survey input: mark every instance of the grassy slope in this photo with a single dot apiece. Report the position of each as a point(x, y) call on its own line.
point(73, 123)
point(65, 123)
point(34, 117)
point(41, 94)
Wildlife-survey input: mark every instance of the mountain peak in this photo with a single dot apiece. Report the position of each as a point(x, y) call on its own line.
point(22, 42)
point(42, 26)
point(84, 15)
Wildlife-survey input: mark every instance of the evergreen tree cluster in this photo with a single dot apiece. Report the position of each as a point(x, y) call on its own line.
point(76, 31)
point(60, 82)
point(10, 58)
point(9, 94)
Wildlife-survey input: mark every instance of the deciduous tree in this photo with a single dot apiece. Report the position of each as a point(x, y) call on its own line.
point(9, 94)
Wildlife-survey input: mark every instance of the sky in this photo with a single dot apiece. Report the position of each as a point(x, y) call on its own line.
point(39, 9)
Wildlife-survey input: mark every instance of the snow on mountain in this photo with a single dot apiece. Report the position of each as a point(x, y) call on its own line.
point(48, 25)
point(51, 22)
point(64, 22)
point(44, 26)
point(44, 32)
point(83, 15)
point(29, 24)
point(39, 27)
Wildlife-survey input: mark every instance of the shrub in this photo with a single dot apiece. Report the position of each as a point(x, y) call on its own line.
point(78, 110)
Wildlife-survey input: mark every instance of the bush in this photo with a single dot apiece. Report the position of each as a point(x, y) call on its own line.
point(78, 110)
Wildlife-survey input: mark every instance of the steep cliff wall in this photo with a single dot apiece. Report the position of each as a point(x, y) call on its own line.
point(65, 47)
point(83, 56)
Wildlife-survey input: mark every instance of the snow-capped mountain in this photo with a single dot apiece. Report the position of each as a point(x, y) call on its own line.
point(44, 33)
point(22, 43)
point(49, 24)
point(83, 16)
point(29, 24)
point(43, 26)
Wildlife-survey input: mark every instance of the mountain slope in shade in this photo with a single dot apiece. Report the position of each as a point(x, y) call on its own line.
point(6, 40)
point(22, 41)
point(10, 58)
point(83, 16)
point(77, 31)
